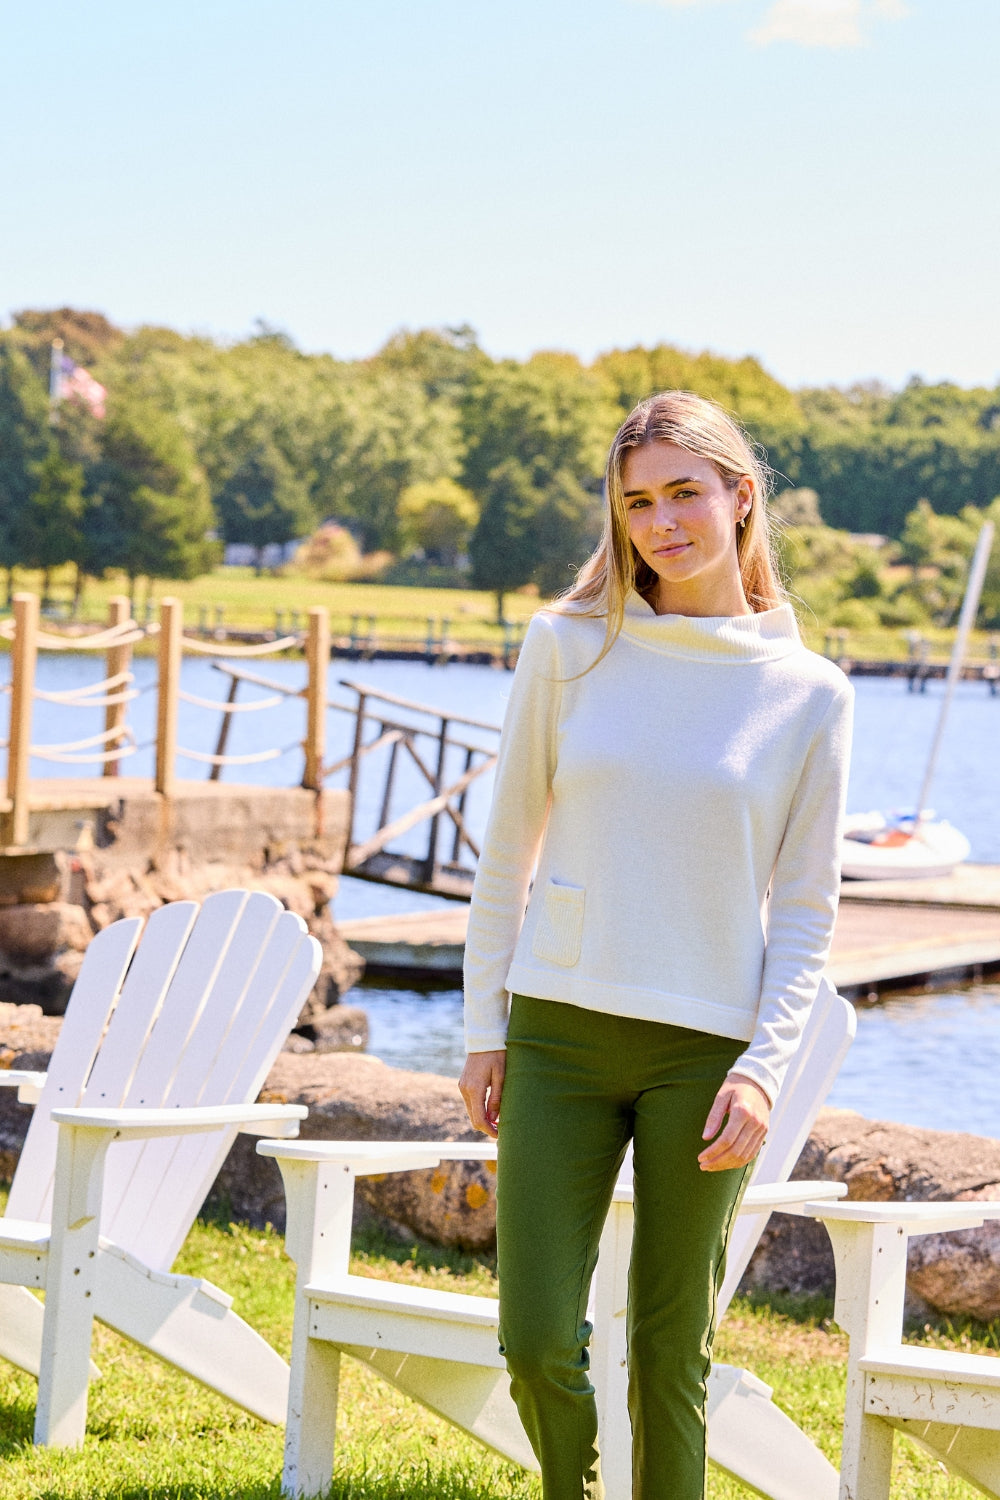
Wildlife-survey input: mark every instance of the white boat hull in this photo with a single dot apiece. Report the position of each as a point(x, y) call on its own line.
point(899, 852)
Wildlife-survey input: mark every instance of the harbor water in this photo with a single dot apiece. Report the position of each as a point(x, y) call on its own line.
point(929, 1059)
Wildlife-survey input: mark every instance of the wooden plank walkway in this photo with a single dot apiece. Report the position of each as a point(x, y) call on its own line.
point(888, 934)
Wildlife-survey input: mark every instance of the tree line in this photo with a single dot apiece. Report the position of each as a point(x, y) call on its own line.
point(431, 452)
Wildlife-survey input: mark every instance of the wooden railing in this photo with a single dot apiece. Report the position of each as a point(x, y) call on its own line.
point(117, 690)
point(382, 721)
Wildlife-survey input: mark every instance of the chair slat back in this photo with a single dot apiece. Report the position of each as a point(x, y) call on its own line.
point(197, 1159)
point(94, 996)
point(226, 1016)
point(825, 1043)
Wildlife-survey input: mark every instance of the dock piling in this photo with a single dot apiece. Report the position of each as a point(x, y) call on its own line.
point(22, 688)
point(171, 625)
point(118, 660)
point(318, 664)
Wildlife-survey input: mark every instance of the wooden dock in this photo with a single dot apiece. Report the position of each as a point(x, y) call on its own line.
point(889, 935)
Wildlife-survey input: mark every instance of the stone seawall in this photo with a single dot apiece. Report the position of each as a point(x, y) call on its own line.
point(92, 862)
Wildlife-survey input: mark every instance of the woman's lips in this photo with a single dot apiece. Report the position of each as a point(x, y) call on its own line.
point(672, 550)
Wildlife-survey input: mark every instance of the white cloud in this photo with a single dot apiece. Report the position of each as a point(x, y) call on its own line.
point(811, 23)
point(689, 4)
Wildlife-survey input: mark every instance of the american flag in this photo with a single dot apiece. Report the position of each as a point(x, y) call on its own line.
point(71, 382)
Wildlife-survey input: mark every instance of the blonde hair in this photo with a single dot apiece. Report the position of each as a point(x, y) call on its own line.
point(701, 427)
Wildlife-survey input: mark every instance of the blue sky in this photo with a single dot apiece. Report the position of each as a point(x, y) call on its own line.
point(811, 181)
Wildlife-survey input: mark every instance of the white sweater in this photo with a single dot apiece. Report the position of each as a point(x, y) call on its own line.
point(662, 795)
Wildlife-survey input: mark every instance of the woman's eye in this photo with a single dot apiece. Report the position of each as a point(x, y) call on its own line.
point(637, 504)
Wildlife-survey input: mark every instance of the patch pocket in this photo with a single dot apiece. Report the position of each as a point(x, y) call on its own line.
point(559, 932)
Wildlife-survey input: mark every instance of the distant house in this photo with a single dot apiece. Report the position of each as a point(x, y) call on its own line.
point(273, 555)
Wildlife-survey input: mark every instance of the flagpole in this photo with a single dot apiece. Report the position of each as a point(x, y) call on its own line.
point(55, 375)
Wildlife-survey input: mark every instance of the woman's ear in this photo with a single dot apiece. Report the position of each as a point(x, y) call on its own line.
point(744, 497)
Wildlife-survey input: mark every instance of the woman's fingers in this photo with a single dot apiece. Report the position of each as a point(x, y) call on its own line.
point(744, 1107)
point(481, 1086)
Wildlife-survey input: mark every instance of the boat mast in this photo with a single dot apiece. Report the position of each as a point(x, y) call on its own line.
point(970, 604)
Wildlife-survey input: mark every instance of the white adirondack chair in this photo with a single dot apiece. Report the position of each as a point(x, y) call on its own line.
point(441, 1347)
point(948, 1402)
point(164, 1047)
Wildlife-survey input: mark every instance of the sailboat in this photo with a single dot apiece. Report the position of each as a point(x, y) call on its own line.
point(918, 844)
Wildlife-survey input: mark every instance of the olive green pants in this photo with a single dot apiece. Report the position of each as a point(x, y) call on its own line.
point(580, 1084)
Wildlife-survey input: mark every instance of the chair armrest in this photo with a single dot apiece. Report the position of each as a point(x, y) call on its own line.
point(139, 1124)
point(29, 1085)
point(791, 1197)
point(368, 1158)
point(908, 1218)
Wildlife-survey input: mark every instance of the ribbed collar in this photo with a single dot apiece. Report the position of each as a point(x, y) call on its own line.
point(767, 636)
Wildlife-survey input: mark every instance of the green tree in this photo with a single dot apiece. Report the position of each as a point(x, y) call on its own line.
point(549, 415)
point(47, 531)
point(148, 511)
point(797, 508)
point(566, 529)
point(25, 442)
point(264, 501)
point(438, 517)
point(503, 548)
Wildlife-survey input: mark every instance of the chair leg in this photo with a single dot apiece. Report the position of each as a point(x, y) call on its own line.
point(866, 1457)
point(64, 1374)
point(311, 1428)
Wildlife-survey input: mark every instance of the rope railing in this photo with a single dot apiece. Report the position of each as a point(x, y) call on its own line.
point(121, 736)
point(80, 696)
point(264, 648)
point(256, 758)
point(228, 708)
point(100, 641)
point(112, 695)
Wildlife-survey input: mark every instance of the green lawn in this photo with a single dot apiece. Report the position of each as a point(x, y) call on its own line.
point(249, 601)
point(156, 1435)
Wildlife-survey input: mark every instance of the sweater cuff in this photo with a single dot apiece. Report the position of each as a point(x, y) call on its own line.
point(747, 1068)
point(485, 1041)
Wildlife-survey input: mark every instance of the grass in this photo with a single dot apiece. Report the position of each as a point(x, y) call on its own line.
point(154, 1434)
point(248, 601)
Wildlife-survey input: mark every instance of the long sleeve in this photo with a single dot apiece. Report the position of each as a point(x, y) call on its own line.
point(521, 792)
point(803, 905)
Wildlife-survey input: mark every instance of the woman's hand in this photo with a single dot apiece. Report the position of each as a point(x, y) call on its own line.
point(748, 1110)
point(481, 1085)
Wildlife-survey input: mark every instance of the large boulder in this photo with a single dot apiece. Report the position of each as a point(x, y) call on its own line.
point(358, 1098)
point(957, 1274)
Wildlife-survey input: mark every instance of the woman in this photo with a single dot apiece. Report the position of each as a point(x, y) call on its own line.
point(673, 761)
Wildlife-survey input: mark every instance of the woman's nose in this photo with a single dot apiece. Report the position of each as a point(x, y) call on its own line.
point(663, 518)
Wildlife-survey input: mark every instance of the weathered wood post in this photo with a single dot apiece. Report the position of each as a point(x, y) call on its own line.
point(22, 687)
point(117, 661)
point(432, 841)
point(171, 625)
point(318, 661)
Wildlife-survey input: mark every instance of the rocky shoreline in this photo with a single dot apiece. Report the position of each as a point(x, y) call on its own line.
point(353, 1096)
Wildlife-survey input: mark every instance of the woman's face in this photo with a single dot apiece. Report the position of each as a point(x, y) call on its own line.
point(682, 519)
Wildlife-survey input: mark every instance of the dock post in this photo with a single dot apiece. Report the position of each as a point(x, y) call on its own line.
point(432, 841)
point(171, 625)
point(318, 661)
point(118, 660)
point(22, 687)
point(352, 784)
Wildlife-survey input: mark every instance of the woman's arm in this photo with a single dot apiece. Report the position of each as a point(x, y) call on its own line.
point(514, 830)
point(805, 888)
